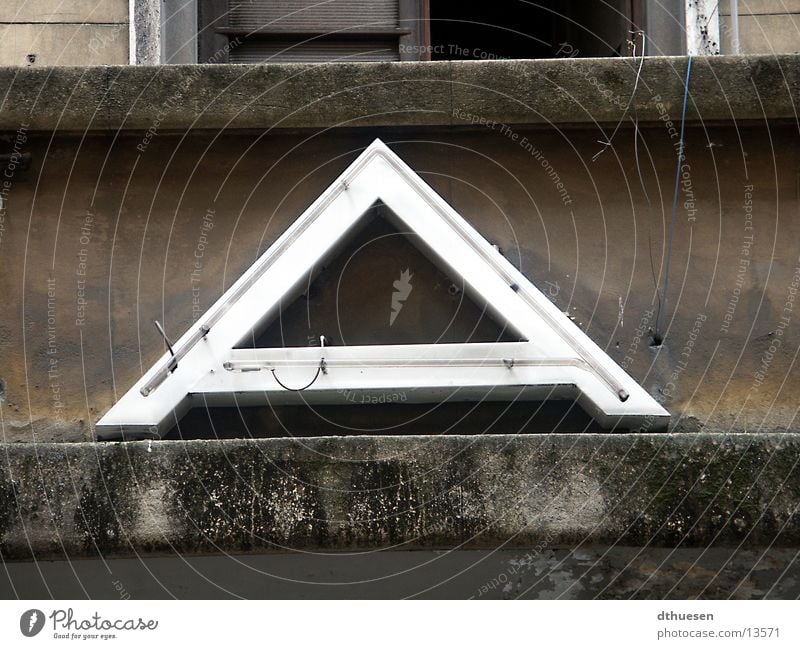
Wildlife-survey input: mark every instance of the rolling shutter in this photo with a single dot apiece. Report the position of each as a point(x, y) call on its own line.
point(273, 51)
point(313, 15)
point(312, 31)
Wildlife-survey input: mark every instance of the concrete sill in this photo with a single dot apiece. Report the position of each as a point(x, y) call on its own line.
point(340, 493)
point(446, 93)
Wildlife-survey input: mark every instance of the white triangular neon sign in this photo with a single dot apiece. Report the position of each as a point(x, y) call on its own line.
point(556, 360)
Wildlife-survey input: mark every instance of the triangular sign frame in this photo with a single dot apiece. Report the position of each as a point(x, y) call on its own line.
point(556, 360)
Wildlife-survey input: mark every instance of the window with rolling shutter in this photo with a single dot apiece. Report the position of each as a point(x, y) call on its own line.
point(287, 51)
point(313, 15)
point(312, 31)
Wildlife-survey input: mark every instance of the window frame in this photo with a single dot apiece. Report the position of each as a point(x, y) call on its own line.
point(215, 34)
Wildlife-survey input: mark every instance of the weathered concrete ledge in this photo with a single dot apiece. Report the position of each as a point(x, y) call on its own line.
point(514, 491)
point(562, 91)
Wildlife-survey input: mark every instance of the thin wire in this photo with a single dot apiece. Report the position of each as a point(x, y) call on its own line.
point(649, 206)
point(675, 199)
point(711, 15)
point(173, 362)
point(164, 336)
point(637, 133)
point(636, 136)
point(607, 143)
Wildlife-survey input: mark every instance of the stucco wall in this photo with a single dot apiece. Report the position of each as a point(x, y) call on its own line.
point(97, 220)
point(765, 26)
point(101, 234)
point(64, 32)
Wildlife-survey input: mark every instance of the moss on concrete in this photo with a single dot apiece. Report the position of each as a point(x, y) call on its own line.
point(697, 490)
point(393, 94)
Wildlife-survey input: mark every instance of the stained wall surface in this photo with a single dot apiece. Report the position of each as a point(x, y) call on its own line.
point(104, 233)
point(63, 32)
point(765, 26)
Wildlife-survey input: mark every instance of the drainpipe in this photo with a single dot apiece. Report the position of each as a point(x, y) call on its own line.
point(132, 32)
point(735, 46)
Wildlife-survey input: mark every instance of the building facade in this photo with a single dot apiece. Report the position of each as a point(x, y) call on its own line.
point(153, 150)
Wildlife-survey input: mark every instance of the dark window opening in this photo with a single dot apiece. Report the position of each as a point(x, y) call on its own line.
point(513, 29)
point(266, 31)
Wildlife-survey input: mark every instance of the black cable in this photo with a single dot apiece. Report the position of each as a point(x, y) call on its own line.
point(286, 387)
